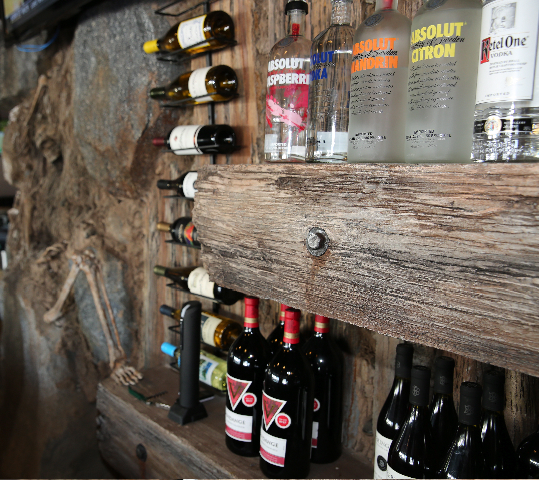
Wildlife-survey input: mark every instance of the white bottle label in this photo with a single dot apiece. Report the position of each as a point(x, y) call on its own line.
point(270, 143)
point(272, 449)
point(314, 441)
point(188, 185)
point(183, 140)
point(199, 282)
point(239, 427)
point(206, 368)
point(197, 85)
point(208, 324)
point(508, 51)
point(393, 474)
point(191, 32)
point(332, 142)
point(381, 449)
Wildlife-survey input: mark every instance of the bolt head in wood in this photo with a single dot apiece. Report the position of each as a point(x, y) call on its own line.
point(317, 241)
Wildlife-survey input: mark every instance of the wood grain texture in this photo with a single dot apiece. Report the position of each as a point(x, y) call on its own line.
point(440, 255)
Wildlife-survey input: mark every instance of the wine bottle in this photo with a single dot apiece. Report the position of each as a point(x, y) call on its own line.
point(528, 457)
point(215, 330)
point(395, 409)
point(247, 361)
point(287, 94)
point(443, 416)
point(209, 84)
point(212, 370)
point(196, 280)
point(464, 458)
point(287, 407)
point(498, 450)
point(184, 185)
point(198, 139)
point(275, 338)
point(182, 231)
point(326, 362)
point(212, 31)
point(411, 454)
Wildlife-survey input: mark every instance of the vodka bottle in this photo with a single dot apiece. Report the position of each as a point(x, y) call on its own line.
point(506, 127)
point(441, 81)
point(329, 88)
point(287, 95)
point(378, 86)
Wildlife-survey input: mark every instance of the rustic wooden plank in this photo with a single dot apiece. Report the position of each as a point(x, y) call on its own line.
point(443, 255)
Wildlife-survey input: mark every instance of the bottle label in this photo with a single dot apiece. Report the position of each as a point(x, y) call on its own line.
point(494, 124)
point(183, 140)
point(188, 186)
point(381, 449)
point(206, 368)
point(208, 324)
point(197, 85)
point(199, 283)
point(375, 54)
point(314, 442)
point(239, 427)
point(272, 449)
point(191, 32)
point(332, 142)
point(508, 51)
point(236, 390)
point(271, 408)
point(394, 474)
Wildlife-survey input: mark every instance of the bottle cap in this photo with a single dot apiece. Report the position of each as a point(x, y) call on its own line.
point(160, 270)
point(420, 386)
point(470, 403)
point(251, 312)
point(291, 326)
point(403, 360)
point(166, 310)
point(163, 227)
point(296, 5)
point(164, 184)
point(168, 349)
point(494, 393)
point(283, 309)
point(321, 324)
point(159, 142)
point(150, 46)
point(158, 93)
point(443, 375)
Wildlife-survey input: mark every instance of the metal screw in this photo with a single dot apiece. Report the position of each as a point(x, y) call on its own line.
point(317, 241)
point(141, 452)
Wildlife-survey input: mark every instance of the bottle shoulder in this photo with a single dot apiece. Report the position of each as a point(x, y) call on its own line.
point(249, 350)
point(386, 23)
point(289, 366)
point(296, 46)
point(333, 37)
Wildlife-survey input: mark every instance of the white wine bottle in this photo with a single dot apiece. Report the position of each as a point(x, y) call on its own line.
point(198, 139)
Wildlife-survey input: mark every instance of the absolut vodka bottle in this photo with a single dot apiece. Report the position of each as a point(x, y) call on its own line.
point(378, 86)
point(287, 95)
point(329, 88)
point(506, 127)
point(441, 81)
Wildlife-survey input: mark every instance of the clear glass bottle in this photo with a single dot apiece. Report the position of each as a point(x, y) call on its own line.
point(442, 79)
point(378, 86)
point(287, 95)
point(506, 127)
point(329, 88)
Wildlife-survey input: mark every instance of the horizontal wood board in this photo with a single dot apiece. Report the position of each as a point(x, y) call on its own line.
point(443, 255)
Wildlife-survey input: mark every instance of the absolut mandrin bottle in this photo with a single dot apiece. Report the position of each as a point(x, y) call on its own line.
point(506, 127)
point(441, 81)
point(378, 86)
point(329, 88)
point(287, 95)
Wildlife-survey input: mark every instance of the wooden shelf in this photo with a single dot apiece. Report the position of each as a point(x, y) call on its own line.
point(196, 450)
point(443, 255)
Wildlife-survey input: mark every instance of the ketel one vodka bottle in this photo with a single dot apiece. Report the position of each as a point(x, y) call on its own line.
point(378, 86)
point(246, 365)
point(441, 81)
point(506, 127)
point(287, 407)
point(329, 88)
point(287, 94)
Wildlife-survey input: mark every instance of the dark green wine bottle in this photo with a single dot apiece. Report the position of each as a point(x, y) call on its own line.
point(500, 457)
point(528, 457)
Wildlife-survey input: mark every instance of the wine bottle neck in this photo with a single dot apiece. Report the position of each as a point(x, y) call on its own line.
point(295, 23)
point(158, 93)
point(386, 4)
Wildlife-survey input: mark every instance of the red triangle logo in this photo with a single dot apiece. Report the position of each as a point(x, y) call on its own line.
point(271, 407)
point(236, 388)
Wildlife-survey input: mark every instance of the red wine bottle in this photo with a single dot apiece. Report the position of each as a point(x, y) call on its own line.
point(246, 365)
point(199, 139)
point(395, 409)
point(275, 338)
point(464, 458)
point(500, 457)
point(182, 231)
point(287, 407)
point(443, 416)
point(410, 454)
point(183, 185)
point(327, 365)
point(528, 457)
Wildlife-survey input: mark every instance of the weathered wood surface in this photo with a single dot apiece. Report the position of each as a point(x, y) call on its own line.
point(443, 255)
point(196, 450)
